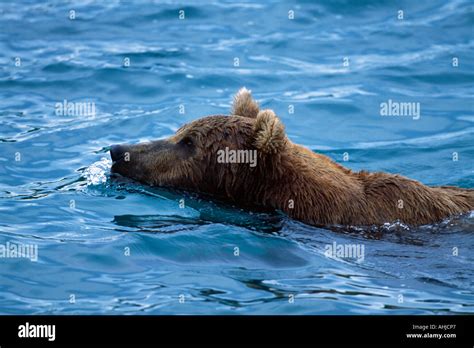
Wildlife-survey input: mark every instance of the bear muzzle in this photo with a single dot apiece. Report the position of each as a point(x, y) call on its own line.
point(117, 153)
point(120, 155)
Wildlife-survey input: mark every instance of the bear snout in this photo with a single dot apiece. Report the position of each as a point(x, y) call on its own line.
point(117, 152)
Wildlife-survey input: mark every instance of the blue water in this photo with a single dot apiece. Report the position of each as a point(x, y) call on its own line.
point(114, 246)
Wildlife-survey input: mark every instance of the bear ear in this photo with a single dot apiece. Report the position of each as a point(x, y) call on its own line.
point(270, 134)
point(244, 105)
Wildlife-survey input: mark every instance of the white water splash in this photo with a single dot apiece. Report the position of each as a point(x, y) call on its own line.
point(395, 226)
point(96, 173)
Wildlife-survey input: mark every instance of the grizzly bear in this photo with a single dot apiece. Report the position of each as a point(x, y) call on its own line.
point(209, 156)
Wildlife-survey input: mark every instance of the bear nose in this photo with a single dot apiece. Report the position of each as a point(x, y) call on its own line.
point(117, 152)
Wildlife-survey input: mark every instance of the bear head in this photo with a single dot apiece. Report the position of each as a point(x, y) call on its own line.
point(232, 156)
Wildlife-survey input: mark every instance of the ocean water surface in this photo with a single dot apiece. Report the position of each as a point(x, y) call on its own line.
point(112, 246)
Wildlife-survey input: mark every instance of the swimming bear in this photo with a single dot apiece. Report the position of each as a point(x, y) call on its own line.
point(247, 159)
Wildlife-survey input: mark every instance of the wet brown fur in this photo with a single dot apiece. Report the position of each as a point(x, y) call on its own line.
point(307, 186)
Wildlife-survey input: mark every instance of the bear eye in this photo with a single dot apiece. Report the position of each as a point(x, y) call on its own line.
point(187, 141)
